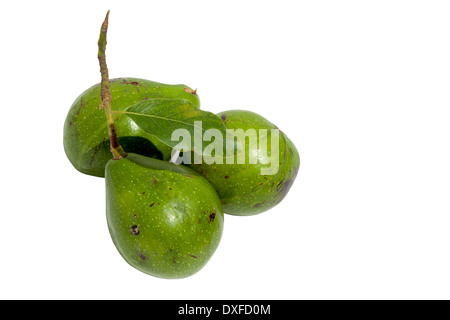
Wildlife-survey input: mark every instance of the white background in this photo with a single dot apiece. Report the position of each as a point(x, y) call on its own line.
point(361, 87)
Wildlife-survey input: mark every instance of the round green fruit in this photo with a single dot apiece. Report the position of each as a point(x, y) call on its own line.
point(243, 188)
point(165, 220)
point(86, 140)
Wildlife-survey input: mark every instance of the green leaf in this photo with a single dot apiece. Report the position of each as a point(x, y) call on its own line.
point(164, 118)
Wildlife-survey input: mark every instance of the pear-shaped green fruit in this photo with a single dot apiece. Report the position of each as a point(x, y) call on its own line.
point(86, 140)
point(165, 219)
point(246, 189)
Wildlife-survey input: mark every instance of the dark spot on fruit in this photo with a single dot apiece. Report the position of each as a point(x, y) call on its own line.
point(96, 149)
point(70, 123)
point(226, 177)
point(82, 105)
point(191, 255)
point(134, 216)
point(154, 181)
point(279, 186)
point(134, 230)
point(152, 204)
point(174, 261)
point(223, 117)
point(284, 189)
point(211, 217)
point(135, 83)
point(170, 188)
point(142, 256)
point(170, 250)
point(286, 186)
point(143, 192)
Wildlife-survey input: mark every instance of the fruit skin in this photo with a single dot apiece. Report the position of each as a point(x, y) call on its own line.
point(242, 188)
point(86, 140)
point(165, 219)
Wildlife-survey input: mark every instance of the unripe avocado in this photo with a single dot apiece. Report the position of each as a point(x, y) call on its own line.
point(242, 188)
point(86, 140)
point(165, 219)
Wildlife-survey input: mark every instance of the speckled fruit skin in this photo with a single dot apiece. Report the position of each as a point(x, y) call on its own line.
point(165, 219)
point(86, 140)
point(241, 187)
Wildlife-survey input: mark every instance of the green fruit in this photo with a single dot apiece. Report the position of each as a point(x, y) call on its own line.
point(242, 188)
point(165, 220)
point(86, 140)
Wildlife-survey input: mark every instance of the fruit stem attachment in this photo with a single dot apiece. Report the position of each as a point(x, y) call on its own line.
point(105, 93)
